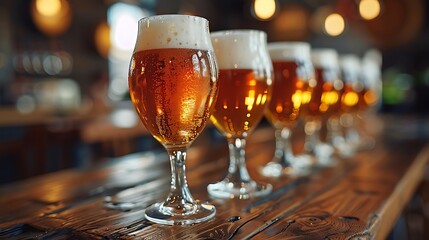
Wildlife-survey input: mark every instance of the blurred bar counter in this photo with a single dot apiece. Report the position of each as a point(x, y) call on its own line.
point(45, 140)
point(375, 194)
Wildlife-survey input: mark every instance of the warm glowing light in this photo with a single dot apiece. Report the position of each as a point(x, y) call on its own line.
point(48, 7)
point(330, 97)
point(264, 99)
point(369, 9)
point(370, 97)
point(334, 24)
point(52, 17)
point(246, 126)
point(297, 99)
point(250, 100)
point(225, 105)
point(264, 9)
point(305, 97)
point(323, 107)
point(350, 99)
point(102, 39)
point(259, 99)
point(188, 105)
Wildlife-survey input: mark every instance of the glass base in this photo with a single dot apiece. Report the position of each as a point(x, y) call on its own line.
point(158, 213)
point(121, 206)
point(299, 166)
point(365, 144)
point(229, 190)
point(324, 155)
point(346, 150)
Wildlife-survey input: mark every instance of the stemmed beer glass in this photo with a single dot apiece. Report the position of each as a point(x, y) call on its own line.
point(324, 104)
point(173, 86)
point(353, 86)
point(245, 78)
point(293, 77)
point(361, 77)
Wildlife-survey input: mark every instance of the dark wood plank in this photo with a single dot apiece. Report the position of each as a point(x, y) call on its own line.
point(359, 197)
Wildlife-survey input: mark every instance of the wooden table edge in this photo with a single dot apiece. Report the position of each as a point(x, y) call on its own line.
point(380, 223)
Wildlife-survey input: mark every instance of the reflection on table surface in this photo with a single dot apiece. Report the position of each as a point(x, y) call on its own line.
point(361, 196)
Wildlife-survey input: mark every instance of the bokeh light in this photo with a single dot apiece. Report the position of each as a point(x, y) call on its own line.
point(123, 21)
point(264, 9)
point(334, 24)
point(52, 17)
point(48, 7)
point(102, 39)
point(369, 9)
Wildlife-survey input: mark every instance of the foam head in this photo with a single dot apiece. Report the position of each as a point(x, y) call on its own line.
point(350, 66)
point(241, 49)
point(325, 58)
point(371, 74)
point(289, 51)
point(173, 31)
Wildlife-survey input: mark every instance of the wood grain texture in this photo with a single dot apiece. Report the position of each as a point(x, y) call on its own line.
point(359, 198)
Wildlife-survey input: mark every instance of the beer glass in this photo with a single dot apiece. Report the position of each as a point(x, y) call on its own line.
point(369, 97)
point(245, 78)
point(293, 77)
point(324, 104)
point(173, 86)
point(353, 87)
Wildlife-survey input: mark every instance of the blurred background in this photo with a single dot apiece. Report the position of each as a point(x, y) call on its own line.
point(64, 98)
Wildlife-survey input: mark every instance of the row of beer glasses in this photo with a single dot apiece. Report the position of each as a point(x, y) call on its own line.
point(181, 75)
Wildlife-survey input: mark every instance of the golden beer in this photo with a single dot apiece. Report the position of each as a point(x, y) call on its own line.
point(350, 98)
point(367, 99)
point(241, 101)
point(353, 86)
point(290, 93)
point(326, 95)
point(173, 91)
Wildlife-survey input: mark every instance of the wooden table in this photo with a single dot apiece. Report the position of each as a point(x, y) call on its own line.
point(359, 198)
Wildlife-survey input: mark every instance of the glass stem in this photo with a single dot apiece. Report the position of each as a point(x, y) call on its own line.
point(237, 171)
point(312, 135)
point(180, 199)
point(353, 134)
point(283, 153)
point(334, 131)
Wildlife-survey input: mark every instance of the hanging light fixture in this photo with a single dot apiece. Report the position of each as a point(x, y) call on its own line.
point(334, 24)
point(264, 9)
point(369, 9)
point(52, 17)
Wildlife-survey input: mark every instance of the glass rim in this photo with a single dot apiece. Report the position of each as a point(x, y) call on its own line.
point(288, 44)
point(237, 32)
point(172, 16)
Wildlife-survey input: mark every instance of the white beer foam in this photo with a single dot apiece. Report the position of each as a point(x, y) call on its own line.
point(325, 58)
point(351, 66)
point(241, 49)
point(173, 31)
point(289, 51)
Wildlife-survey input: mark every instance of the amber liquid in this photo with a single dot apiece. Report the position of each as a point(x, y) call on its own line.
point(173, 91)
point(290, 93)
point(326, 97)
point(240, 105)
point(367, 98)
point(350, 99)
